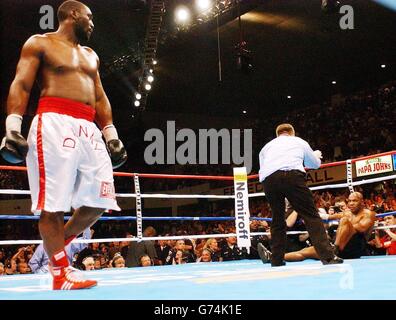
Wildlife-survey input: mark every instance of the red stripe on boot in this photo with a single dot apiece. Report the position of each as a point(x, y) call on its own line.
point(59, 259)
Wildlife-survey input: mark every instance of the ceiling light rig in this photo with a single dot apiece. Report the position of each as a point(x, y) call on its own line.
point(331, 6)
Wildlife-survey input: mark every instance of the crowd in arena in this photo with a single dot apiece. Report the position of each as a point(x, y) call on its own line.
point(349, 127)
point(14, 259)
point(356, 125)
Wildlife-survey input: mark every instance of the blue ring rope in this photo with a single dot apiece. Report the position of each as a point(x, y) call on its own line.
point(123, 218)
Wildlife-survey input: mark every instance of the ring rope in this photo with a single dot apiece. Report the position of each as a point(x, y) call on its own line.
point(123, 218)
point(203, 177)
point(207, 177)
point(203, 236)
point(214, 196)
point(349, 184)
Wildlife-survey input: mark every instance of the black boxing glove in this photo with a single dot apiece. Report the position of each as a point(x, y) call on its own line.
point(115, 147)
point(14, 147)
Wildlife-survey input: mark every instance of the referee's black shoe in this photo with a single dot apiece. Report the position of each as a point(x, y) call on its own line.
point(334, 260)
point(266, 256)
point(264, 253)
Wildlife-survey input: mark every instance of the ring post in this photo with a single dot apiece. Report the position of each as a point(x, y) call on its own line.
point(242, 214)
point(349, 175)
point(139, 220)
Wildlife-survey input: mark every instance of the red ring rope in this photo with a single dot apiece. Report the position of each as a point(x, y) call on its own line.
point(202, 177)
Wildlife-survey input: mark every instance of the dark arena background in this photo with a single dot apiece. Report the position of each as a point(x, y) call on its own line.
point(176, 68)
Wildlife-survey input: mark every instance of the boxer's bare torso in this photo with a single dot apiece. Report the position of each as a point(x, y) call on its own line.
point(64, 69)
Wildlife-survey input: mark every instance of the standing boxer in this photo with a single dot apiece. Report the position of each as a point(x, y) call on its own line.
point(68, 162)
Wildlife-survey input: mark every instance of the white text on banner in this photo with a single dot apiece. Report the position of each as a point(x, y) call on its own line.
point(242, 214)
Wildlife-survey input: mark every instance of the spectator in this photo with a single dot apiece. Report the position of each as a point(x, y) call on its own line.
point(206, 256)
point(2, 256)
point(23, 267)
point(39, 261)
point(2, 270)
point(230, 250)
point(179, 254)
point(388, 239)
point(145, 261)
point(97, 264)
point(162, 250)
point(118, 261)
point(212, 246)
point(88, 263)
point(11, 267)
point(138, 249)
point(179, 258)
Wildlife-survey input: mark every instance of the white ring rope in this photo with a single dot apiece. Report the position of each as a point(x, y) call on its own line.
point(214, 196)
point(200, 236)
point(139, 196)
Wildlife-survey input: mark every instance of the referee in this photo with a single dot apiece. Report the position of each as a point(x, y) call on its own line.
point(282, 173)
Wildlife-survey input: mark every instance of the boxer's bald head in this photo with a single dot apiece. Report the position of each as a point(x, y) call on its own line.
point(356, 195)
point(355, 202)
point(67, 7)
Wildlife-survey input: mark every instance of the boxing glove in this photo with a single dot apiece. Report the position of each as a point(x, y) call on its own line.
point(14, 147)
point(115, 147)
point(117, 152)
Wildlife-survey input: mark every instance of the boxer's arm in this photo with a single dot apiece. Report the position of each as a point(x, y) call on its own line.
point(335, 216)
point(366, 223)
point(104, 119)
point(291, 219)
point(25, 76)
point(104, 115)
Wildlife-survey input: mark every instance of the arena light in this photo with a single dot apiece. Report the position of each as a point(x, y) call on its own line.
point(138, 96)
point(203, 5)
point(244, 111)
point(151, 70)
point(331, 6)
point(147, 86)
point(288, 97)
point(150, 78)
point(391, 4)
point(334, 82)
point(155, 62)
point(383, 66)
point(137, 103)
point(182, 15)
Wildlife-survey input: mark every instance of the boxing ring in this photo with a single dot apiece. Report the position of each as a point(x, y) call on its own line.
point(368, 278)
point(365, 278)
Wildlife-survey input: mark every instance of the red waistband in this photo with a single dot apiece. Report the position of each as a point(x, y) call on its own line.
point(68, 107)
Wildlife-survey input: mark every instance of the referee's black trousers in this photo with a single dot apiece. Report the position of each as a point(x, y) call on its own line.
point(291, 185)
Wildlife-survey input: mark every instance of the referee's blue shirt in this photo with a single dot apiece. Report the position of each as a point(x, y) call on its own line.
point(286, 153)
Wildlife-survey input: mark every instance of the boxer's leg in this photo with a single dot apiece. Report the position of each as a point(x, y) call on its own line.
point(345, 232)
point(81, 219)
point(306, 253)
point(51, 231)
